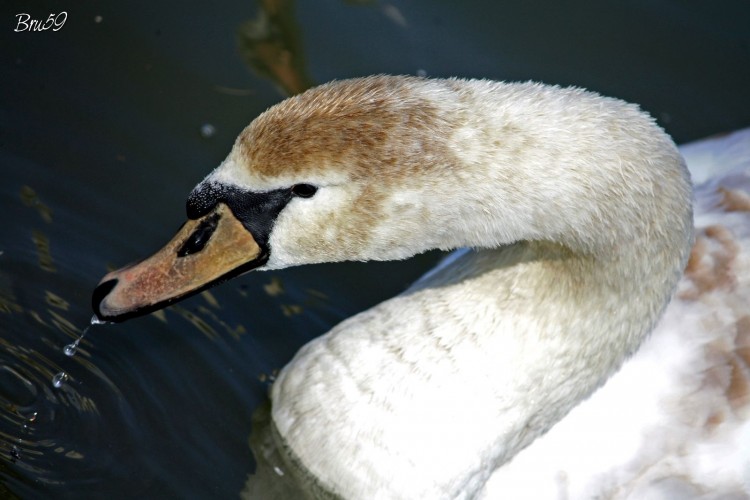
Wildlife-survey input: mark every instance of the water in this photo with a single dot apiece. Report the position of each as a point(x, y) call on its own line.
point(96, 321)
point(101, 143)
point(71, 349)
point(59, 379)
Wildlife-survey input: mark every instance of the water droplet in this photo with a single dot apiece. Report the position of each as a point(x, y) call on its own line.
point(96, 321)
point(72, 348)
point(59, 379)
point(278, 471)
point(208, 130)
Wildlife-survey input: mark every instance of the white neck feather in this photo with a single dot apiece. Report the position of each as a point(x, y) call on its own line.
point(581, 208)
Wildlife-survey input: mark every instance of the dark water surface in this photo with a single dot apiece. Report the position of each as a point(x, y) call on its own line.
point(107, 124)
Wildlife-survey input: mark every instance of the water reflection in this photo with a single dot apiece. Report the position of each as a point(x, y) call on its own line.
point(30, 199)
point(42, 422)
point(36, 418)
point(271, 45)
point(276, 477)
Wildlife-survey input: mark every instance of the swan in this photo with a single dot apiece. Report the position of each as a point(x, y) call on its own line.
point(577, 208)
point(674, 421)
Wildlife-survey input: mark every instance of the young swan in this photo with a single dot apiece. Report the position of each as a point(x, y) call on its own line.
point(578, 206)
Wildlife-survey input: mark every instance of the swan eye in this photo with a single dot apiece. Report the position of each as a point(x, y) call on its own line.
point(304, 190)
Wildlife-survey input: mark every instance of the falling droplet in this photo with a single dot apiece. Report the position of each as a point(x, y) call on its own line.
point(59, 379)
point(71, 348)
point(97, 321)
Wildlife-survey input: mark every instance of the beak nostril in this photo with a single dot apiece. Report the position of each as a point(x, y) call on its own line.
point(100, 292)
point(198, 239)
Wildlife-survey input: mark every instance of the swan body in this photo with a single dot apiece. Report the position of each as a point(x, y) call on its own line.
point(577, 206)
point(674, 422)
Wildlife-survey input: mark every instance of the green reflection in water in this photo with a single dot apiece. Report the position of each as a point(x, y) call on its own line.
point(44, 252)
point(30, 199)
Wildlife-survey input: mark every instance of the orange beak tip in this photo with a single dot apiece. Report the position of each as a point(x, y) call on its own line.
point(204, 252)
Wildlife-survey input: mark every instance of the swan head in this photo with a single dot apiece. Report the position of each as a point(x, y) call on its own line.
point(331, 175)
point(384, 167)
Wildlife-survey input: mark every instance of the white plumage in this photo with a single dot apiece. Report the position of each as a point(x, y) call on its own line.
point(673, 422)
point(578, 209)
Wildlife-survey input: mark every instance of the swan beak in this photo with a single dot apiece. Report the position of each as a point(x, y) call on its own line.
point(204, 252)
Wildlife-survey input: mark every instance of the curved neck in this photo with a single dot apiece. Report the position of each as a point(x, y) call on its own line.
point(525, 162)
point(585, 224)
